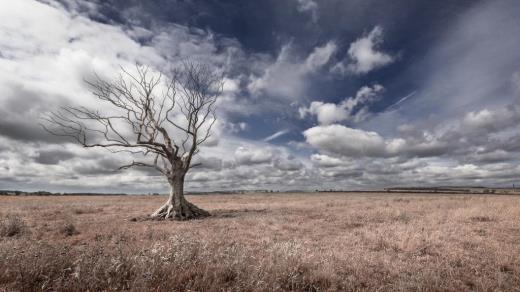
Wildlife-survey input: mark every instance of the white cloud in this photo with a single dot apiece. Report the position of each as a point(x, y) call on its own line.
point(46, 53)
point(338, 139)
point(498, 155)
point(488, 121)
point(271, 83)
point(484, 138)
point(470, 67)
point(323, 160)
point(47, 50)
point(309, 6)
point(276, 135)
point(288, 164)
point(327, 113)
point(231, 100)
point(352, 108)
point(364, 55)
point(286, 77)
point(341, 141)
point(319, 57)
point(234, 128)
point(248, 155)
point(252, 165)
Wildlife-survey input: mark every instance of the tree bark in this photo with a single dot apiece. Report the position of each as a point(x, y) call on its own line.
point(177, 207)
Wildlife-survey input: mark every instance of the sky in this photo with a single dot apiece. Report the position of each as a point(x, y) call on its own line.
point(343, 95)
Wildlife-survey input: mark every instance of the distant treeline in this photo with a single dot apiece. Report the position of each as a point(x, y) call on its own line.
point(439, 190)
point(453, 190)
point(45, 193)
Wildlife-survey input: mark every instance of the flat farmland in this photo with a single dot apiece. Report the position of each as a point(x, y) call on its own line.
point(263, 242)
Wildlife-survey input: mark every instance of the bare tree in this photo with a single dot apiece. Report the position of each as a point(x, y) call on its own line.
point(164, 120)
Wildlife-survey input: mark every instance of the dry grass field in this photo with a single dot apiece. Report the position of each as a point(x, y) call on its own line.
point(263, 242)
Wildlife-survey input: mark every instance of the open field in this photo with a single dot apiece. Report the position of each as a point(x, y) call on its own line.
point(263, 242)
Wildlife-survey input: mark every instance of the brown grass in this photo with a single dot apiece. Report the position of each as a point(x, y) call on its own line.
point(264, 242)
point(11, 226)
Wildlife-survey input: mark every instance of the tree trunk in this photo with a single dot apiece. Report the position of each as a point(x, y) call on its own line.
point(177, 207)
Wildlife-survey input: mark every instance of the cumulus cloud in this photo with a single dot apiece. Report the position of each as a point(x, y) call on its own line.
point(456, 130)
point(364, 55)
point(288, 163)
point(323, 160)
point(246, 155)
point(480, 147)
point(490, 121)
point(286, 77)
point(339, 140)
point(465, 115)
point(493, 156)
point(47, 50)
point(252, 165)
point(353, 108)
point(345, 141)
point(327, 113)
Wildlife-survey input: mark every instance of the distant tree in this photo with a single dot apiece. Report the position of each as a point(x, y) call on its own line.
point(163, 119)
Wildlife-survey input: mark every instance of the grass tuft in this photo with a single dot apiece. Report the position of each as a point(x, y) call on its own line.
point(12, 226)
point(68, 229)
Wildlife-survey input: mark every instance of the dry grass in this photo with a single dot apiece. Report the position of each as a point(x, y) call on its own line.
point(264, 242)
point(11, 226)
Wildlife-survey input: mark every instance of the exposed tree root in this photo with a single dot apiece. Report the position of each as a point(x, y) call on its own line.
point(183, 211)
